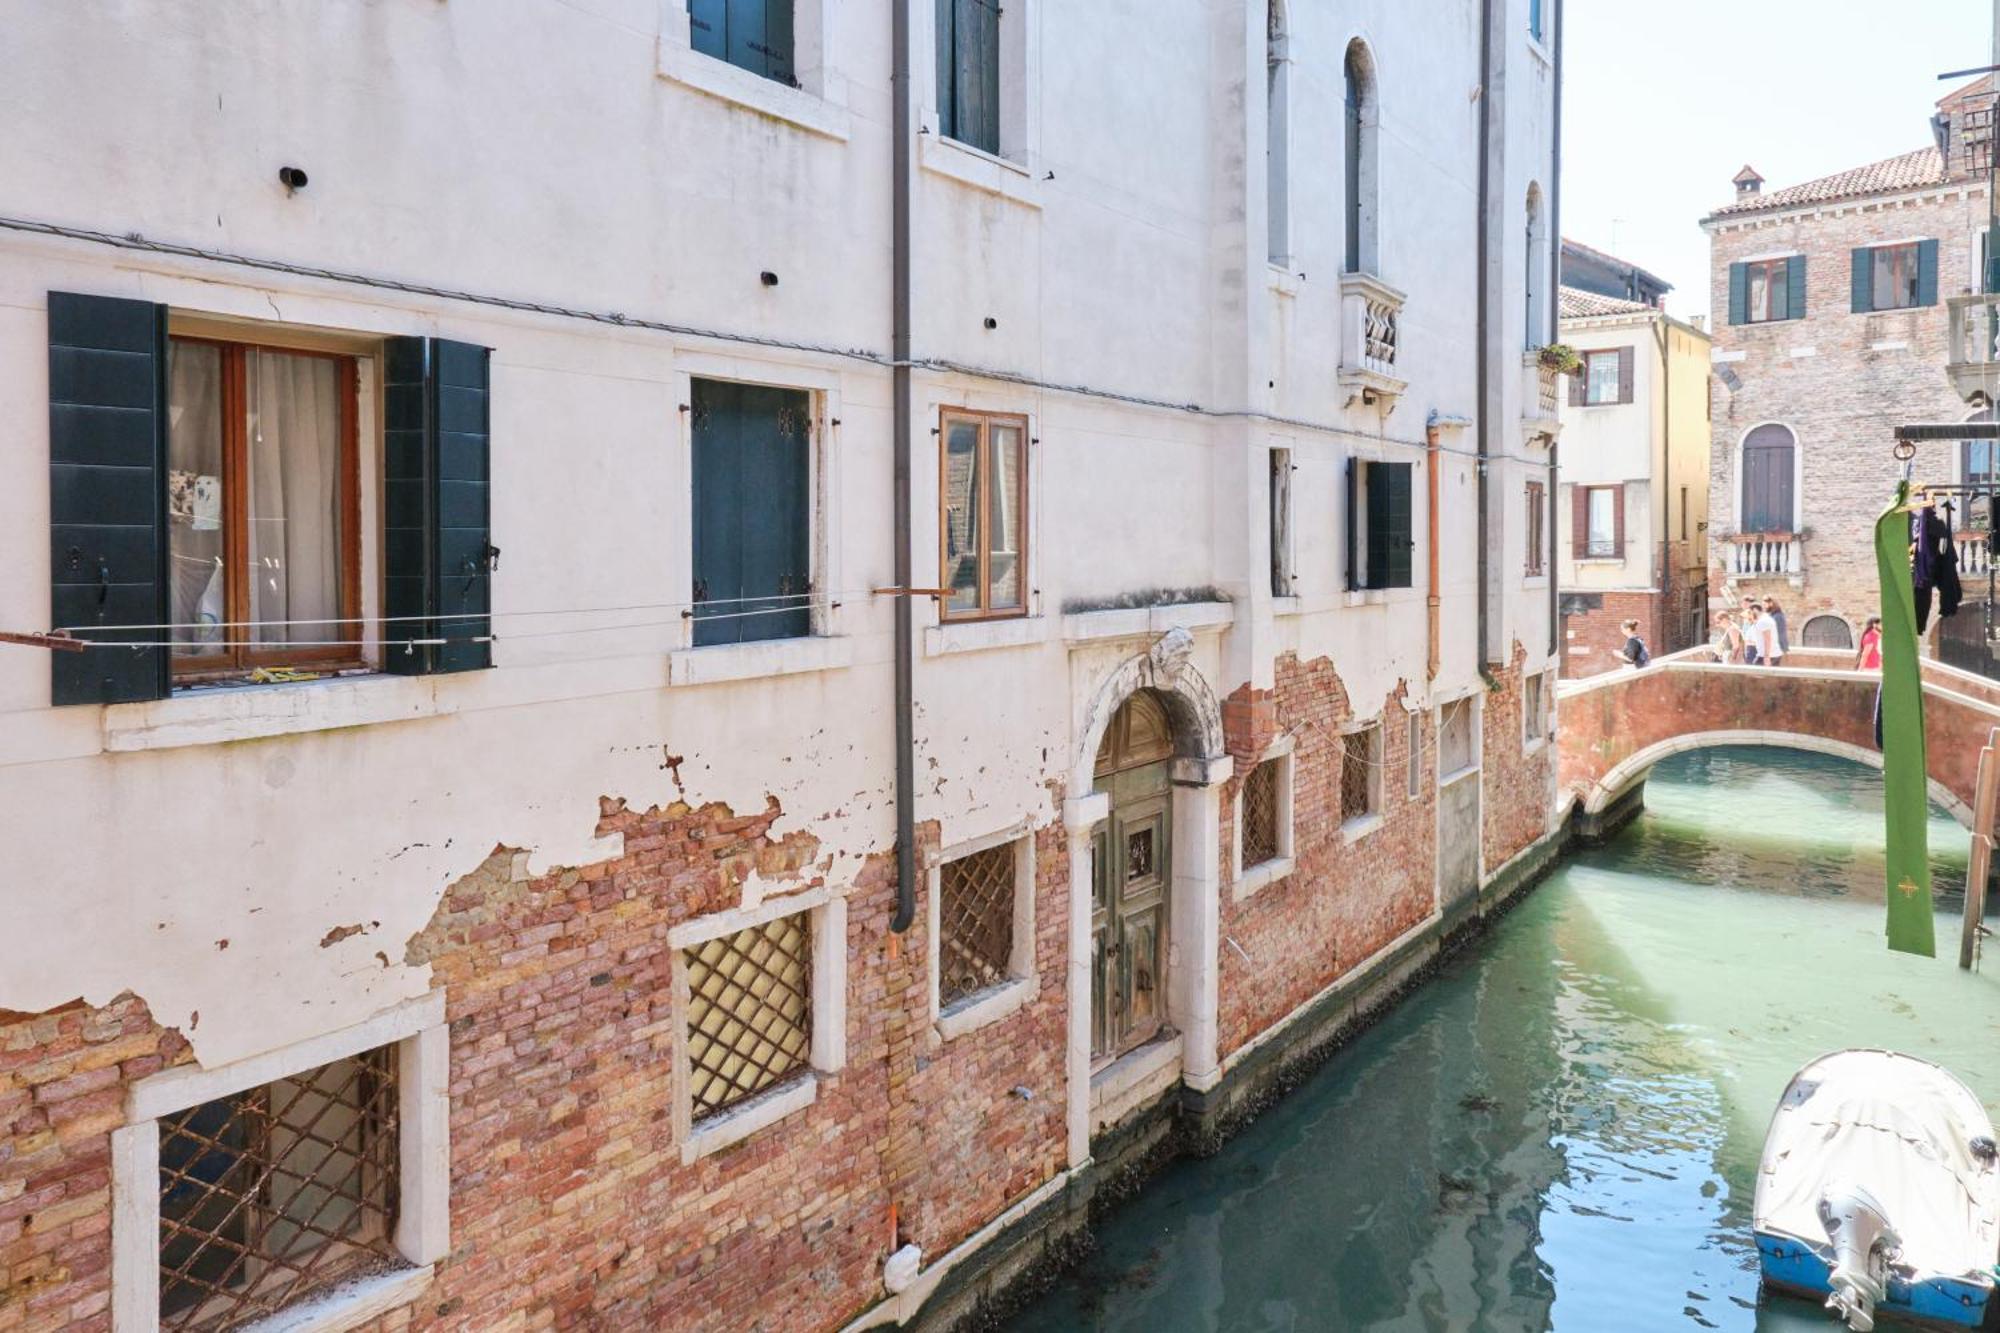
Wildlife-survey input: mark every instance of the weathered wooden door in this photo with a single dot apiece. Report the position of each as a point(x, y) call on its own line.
point(1767, 480)
point(752, 520)
point(1131, 871)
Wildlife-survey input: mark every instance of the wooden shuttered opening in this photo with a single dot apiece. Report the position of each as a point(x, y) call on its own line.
point(437, 552)
point(1579, 522)
point(1861, 281)
point(752, 447)
point(1618, 522)
point(1389, 537)
point(968, 72)
point(754, 35)
point(1927, 266)
point(1795, 287)
point(1579, 385)
point(1739, 293)
point(107, 496)
point(1627, 361)
point(1353, 524)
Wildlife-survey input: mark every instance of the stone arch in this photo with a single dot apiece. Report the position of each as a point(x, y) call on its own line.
point(1635, 766)
point(1167, 670)
point(1826, 630)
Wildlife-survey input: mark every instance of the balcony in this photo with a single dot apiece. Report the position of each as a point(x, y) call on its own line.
point(1973, 346)
point(1764, 555)
point(1369, 313)
point(1541, 394)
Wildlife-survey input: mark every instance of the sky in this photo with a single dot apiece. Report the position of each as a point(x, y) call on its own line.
point(1664, 102)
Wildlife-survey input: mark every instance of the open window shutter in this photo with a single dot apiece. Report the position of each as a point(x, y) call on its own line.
point(1389, 524)
point(107, 495)
point(1862, 281)
point(1354, 571)
point(747, 47)
point(1989, 259)
point(1927, 252)
point(1579, 522)
point(708, 27)
point(978, 73)
point(437, 541)
point(1618, 520)
point(1795, 286)
point(1578, 384)
point(947, 67)
point(1626, 358)
point(1739, 293)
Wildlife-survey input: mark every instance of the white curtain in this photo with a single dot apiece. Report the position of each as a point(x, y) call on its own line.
point(294, 491)
point(194, 494)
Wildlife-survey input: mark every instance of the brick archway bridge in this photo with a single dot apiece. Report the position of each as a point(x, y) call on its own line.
point(1611, 729)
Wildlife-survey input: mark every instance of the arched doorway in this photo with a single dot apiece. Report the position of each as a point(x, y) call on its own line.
point(1768, 472)
point(1131, 877)
point(1828, 631)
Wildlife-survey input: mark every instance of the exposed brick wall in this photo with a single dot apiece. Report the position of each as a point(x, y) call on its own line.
point(1841, 400)
point(1515, 775)
point(1342, 902)
point(1593, 640)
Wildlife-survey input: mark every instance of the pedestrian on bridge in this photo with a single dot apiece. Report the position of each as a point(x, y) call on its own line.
point(1634, 651)
point(1764, 640)
point(1728, 639)
point(1869, 657)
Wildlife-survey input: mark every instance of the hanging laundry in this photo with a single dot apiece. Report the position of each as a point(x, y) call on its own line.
point(1934, 568)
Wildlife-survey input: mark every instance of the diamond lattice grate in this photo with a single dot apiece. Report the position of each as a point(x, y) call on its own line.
point(975, 922)
point(749, 1012)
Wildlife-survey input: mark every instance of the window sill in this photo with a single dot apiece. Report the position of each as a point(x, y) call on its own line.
point(978, 168)
point(1134, 1079)
point(1133, 622)
point(986, 1007)
point(1283, 281)
point(1379, 596)
point(739, 87)
point(722, 662)
point(1600, 560)
point(1287, 606)
point(349, 1304)
point(252, 712)
point(1534, 745)
point(1534, 580)
point(1260, 877)
point(734, 1126)
point(1354, 830)
point(975, 636)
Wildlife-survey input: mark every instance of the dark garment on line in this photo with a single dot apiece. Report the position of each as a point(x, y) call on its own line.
point(1935, 567)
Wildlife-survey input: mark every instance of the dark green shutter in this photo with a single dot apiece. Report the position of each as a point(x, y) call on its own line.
point(1389, 539)
point(1354, 579)
point(708, 27)
point(1795, 286)
point(436, 536)
point(755, 35)
point(1927, 252)
point(752, 526)
point(969, 72)
point(1739, 293)
point(1863, 283)
point(1989, 259)
point(107, 495)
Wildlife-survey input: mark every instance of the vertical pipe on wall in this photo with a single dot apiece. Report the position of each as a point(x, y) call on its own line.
point(1555, 324)
point(1481, 341)
point(1431, 660)
point(900, 343)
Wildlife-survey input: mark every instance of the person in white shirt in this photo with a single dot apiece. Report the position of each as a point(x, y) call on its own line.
point(1765, 635)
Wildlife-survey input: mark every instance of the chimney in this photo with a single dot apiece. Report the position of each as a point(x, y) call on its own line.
point(1748, 183)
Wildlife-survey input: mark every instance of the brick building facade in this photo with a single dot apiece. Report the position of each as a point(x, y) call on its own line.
point(1830, 310)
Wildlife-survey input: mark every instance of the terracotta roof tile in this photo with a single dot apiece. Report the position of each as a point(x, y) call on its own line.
point(1575, 303)
point(1910, 171)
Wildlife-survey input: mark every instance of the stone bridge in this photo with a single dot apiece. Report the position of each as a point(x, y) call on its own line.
point(1612, 728)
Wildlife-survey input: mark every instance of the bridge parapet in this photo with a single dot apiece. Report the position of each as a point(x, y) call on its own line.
point(1612, 728)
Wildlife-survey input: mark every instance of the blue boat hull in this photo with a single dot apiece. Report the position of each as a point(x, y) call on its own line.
point(1941, 1302)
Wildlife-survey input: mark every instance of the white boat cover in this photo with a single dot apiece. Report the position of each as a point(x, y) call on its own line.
point(1903, 1129)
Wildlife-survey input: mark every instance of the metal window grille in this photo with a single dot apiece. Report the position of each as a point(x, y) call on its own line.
point(273, 1193)
point(749, 1012)
point(1260, 814)
point(975, 922)
point(1357, 773)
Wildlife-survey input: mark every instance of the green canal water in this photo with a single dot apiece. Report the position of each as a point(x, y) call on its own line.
point(1561, 1130)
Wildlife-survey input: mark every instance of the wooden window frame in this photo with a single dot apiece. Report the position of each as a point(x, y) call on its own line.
point(1590, 549)
point(1773, 270)
point(1905, 261)
point(984, 421)
point(1536, 563)
point(1590, 397)
point(239, 661)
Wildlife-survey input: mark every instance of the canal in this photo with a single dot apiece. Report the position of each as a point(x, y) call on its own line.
point(1561, 1129)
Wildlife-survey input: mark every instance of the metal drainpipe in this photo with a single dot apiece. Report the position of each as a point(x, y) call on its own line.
point(1555, 335)
point(1480, 340)
point(900, 391)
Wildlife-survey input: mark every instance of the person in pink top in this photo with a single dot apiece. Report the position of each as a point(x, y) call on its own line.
point(1869, 658)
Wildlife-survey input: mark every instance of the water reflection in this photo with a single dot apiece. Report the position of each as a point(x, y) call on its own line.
point(1562, 1130)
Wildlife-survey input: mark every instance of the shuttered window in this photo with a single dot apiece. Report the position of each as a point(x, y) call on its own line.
point(968, 72)
point(1537, 500)
point(750, 34)
point(983, 515)
point(752, 524)
point(1768, 465)
point(1894, 277)
point(1767, 290)
point(1597, 522)
point(1380, 538)
point(204, 502)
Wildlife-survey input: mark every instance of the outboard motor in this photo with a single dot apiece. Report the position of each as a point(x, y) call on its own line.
point(1863, 1246)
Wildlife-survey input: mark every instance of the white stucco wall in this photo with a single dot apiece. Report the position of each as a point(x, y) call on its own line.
point(197, 851)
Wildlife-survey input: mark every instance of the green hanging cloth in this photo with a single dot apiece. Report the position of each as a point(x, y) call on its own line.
point(1905, 795)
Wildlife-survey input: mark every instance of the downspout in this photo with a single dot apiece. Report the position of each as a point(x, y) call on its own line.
point(1555, 335)
point(1431, 660)
point(900, 391)
point(1663, 337)
point(1481, 348)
